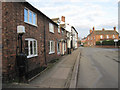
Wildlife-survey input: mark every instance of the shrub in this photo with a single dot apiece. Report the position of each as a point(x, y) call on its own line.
point(106, 42)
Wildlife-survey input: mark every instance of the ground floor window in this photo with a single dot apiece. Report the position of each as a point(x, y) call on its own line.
point(58, 47)
point(64, 46)
point(52, 47)
point(31, 47)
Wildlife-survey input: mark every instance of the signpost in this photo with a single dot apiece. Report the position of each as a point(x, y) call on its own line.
point(101, 43)
point(115, 40)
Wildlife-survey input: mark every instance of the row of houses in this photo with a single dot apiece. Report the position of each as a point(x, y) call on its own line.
point(99, 35)
point(44, 40)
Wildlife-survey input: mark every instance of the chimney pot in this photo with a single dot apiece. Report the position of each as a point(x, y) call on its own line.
point(114, 28)
point(93, 28)
point(103, 29)
point(90, 31)
point(63, 18)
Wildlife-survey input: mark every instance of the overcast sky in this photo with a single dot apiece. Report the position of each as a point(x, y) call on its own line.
point(82, 14)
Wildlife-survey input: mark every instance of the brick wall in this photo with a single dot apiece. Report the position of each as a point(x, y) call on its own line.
point(13, 15)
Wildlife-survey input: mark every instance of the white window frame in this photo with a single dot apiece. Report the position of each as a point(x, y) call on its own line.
point(113, 36)
point(51, 28)
point(51, 52)
point(58, 29)
point(107, 36)
point(32, 17)
point(101, 36)
point(29, 53)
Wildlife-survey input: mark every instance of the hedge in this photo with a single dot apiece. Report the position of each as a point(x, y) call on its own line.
point(106, 42)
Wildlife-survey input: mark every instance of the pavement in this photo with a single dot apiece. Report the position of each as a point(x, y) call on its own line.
point(98, 68)
point(58, 76)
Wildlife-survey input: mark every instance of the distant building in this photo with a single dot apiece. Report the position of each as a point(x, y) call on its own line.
point(100, 35)
point(83, 41)
point(71, 34)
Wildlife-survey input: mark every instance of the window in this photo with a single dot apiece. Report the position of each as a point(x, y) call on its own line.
point(88, 43)
point(31, 47)
point(51, 27)
point(101, 36)
point(62, 32)
point(58, 47)
point(58, 29)
point(25, 15)
point(113, 36)
point(91, 38)
point(88, 38)
point(107, 36)
point(52, 47)
point(30, 17)
point(64, 46)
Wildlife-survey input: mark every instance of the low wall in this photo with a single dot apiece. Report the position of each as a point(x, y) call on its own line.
point(107, 46)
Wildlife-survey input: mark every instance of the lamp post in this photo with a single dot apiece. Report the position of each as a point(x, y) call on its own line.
point(21, 57)
point(101, 43)
point(115, 40)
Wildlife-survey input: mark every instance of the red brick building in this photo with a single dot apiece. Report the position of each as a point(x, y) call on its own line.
point(40, 42)
point(100, 35)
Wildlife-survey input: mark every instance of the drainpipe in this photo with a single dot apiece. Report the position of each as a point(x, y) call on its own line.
point(45, 43)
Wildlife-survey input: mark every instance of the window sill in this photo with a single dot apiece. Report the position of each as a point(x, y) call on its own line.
point(51, 52)
point(51, 32)
point(32, 56)
point(31, 24)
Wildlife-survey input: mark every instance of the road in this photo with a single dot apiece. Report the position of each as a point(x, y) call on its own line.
point(98, 68)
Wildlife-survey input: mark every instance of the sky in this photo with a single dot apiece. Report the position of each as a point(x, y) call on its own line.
point(82, 14)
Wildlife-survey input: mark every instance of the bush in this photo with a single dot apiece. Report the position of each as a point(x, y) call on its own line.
point(106, 42)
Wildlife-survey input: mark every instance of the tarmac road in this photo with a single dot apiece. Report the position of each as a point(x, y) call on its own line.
point(98, 68)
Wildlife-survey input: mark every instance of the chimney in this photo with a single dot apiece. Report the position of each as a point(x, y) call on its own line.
point(103, 29)
point(90, 31)
point(63, 18)
point(114, 28)
point(93, 28)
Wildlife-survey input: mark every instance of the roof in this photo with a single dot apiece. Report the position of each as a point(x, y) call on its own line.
point(105, 32)
point(99, 32)
point(75, 29)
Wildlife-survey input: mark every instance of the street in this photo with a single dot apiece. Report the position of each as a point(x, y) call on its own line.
point(98, 68)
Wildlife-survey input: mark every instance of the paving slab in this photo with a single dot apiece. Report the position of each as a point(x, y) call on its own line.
point(56, 77)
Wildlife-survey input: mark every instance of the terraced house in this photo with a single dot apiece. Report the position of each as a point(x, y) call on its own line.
point(101, 35)
point(43, 40)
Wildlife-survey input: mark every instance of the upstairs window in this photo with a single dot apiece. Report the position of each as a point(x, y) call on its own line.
point(58, 29)
point(51, 27)
point(25, 15)
point(30, 17)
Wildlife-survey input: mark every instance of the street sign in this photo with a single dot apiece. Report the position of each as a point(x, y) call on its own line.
point(115, 40)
